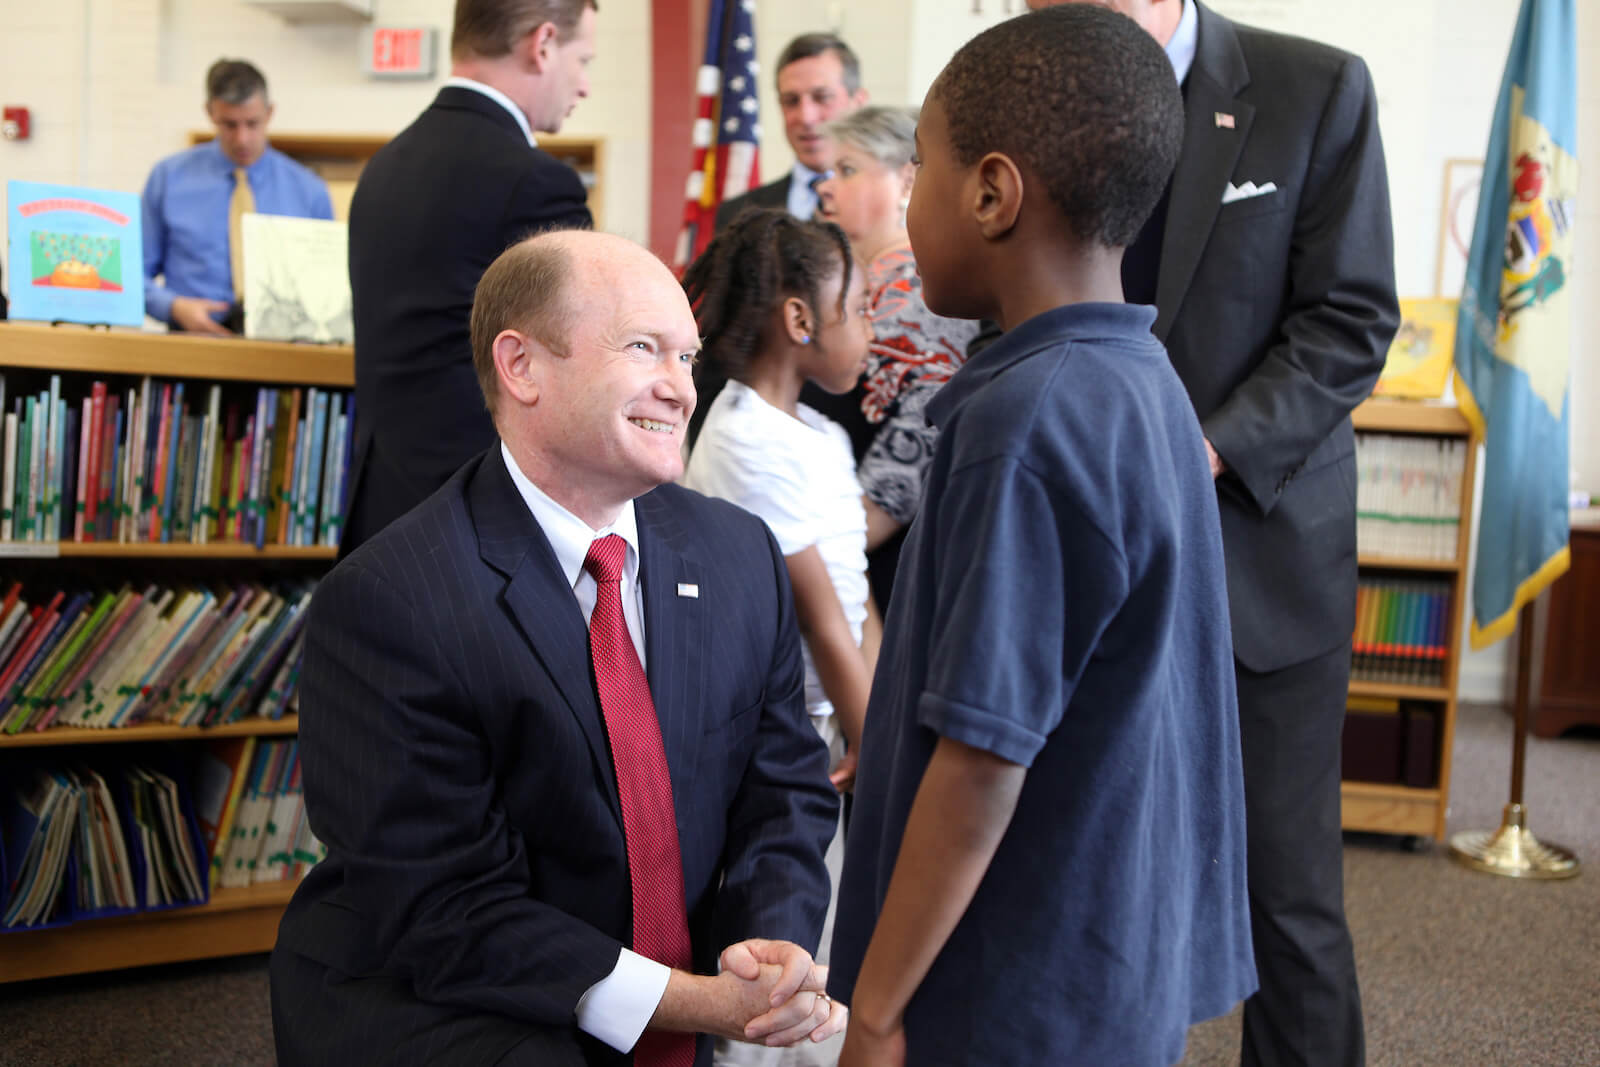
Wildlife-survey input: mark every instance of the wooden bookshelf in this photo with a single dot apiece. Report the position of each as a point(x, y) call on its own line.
point(173, 355)
point(234, 921)
point(1398, 809)
point(50, 737)
point(339, 157)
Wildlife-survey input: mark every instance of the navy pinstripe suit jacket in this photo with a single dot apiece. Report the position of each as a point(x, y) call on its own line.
point(456, 764)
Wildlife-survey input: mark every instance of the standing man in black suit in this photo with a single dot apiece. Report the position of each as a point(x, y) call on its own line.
point(819, 80)
point(553, 727)
point(1271, 265)
point(432, 210)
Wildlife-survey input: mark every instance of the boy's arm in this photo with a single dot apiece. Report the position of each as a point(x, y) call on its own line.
point(960, 813)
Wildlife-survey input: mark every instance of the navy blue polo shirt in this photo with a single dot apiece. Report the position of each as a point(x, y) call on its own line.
point(1061, 603)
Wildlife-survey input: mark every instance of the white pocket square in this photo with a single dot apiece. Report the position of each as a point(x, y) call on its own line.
point(1247, 190)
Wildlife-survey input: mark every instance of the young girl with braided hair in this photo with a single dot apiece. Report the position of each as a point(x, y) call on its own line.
point(780, 303)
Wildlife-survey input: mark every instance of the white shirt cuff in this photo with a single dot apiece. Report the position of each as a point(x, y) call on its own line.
point(617, 1008)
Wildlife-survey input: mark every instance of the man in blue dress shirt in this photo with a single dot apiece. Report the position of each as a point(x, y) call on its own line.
point(193, 199)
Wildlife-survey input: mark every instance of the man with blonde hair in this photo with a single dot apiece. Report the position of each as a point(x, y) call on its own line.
point(433, 209)
point(553, 727)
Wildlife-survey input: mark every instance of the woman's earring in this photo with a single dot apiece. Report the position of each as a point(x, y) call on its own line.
point(805, 338)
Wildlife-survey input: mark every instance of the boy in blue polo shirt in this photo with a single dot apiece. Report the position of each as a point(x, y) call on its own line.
point(1046, 860)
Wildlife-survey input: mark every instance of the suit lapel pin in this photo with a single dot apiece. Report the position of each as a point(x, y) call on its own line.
point(1224, 120)
point(689, 589)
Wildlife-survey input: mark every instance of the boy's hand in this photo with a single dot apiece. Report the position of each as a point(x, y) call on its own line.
point(1214, 459)
point(864, 1048)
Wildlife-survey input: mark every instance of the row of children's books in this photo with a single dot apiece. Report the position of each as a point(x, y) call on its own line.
point(185, 654)
point(82, 841)
point(252, 812)
point(1408, 495)
point(169, 461)
point(1402, 632)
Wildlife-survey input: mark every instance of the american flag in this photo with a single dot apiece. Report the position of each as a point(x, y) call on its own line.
point(727, 129)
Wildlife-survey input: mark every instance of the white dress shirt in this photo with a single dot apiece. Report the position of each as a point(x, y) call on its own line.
point(1185, 41)
point(458, 82)
point(617, 1008)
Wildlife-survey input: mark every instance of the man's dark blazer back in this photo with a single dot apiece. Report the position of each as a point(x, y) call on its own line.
point(433, 209)
point(1274, 370)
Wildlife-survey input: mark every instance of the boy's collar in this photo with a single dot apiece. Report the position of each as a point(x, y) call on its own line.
point(1070, 322)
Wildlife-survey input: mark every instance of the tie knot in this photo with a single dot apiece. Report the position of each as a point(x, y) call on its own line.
point(240, 176)
point(818, 179)
point(605, 559)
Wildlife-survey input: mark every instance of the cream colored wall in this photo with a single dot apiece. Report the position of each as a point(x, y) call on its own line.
point(117, 84)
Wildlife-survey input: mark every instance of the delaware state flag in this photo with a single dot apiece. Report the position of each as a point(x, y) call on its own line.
point(1513, 335)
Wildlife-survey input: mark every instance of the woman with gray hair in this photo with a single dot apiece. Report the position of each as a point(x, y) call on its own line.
point(914, 352)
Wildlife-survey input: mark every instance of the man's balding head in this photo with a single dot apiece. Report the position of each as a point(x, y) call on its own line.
point(584, 343)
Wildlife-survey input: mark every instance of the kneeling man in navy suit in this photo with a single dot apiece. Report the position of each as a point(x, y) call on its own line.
point(552, 726)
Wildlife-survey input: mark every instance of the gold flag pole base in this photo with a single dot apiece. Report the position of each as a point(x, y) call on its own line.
point(1512, 850)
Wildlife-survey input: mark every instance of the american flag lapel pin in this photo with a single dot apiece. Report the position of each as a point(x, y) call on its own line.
point(689, 589)
point(1224, 120)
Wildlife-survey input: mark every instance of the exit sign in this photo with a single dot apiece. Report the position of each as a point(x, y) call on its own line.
point(399, 52)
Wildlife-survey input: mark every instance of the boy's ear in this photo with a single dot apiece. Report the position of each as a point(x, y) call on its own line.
point(797, 319)
point(999, 195)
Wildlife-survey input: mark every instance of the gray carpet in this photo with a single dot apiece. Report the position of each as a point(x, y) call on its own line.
point(1457, 968)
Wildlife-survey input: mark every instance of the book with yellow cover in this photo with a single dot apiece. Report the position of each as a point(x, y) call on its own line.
point(1423, 350)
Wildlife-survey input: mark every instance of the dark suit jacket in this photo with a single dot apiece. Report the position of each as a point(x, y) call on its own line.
point(773, 194)
point(1278, 311)
point(434, 207)
point(456, 764)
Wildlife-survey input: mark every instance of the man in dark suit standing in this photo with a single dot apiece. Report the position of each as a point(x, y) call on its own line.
point(552, 726)
point(819, 80)
point(432, 210)
point(1271, 265)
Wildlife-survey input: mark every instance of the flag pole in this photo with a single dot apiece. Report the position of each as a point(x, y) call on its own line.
point(1512, 850)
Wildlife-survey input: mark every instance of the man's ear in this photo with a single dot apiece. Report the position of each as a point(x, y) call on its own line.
point(860, 97)
point(516, 361)
point(539, 46)
point(998, 199)
point(797, 320)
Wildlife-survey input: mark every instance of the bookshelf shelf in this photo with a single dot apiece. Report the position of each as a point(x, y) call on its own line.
point(143, 550)
point(1389, 809)
point(339, 157)
point(166, 355)
point(1398, 809)
point(1396, 563)
point(1400, 691)
point(287, 726)
point(233, 923)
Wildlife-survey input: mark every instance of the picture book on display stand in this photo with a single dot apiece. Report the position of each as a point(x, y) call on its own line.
point(74, 255)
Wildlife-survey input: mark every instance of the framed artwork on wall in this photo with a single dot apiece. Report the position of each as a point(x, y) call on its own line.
point(1458, 212)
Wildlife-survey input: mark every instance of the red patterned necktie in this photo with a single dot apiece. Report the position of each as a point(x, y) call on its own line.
point(655, 865)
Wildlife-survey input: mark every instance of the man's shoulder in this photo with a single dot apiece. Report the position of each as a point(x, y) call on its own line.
point(1282, 57)
point(290, 165)
point(773, 194)
point(706, 521)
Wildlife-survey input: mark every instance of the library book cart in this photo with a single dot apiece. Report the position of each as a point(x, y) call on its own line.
point(234, 920)
point(1415, 486)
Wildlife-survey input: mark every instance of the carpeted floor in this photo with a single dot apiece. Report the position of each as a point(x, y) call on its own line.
point(1457, 968)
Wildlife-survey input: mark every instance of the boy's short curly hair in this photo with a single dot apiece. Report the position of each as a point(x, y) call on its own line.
point(1081, 97)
